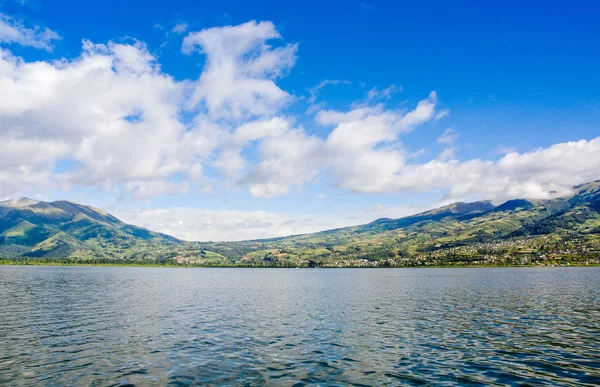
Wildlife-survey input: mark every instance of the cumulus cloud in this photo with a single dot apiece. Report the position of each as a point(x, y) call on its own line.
point(24, 162)
point(115, 117)
point(291, 159)
point(237, 81)
point(256, 130)
point(363, 153)
point(110, 111)
point(13, 31)
point(229, 158)
point(364, 148)
point(367, 126)
point(542, 173)
point(360, 153)
point(112, 118)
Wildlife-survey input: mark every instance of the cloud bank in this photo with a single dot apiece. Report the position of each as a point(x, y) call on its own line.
point(112, 119)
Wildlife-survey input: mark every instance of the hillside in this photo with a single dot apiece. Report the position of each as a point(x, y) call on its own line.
point(561, 230)
point(63, 230)
point(515, 232)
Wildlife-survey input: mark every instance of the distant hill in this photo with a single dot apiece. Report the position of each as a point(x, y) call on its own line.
point(557, 231)
point(515, 232)
point(62, 229)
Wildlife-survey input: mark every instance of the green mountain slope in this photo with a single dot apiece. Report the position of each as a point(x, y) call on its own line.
point(562, 230)
point(462, 233)
point(64, 230)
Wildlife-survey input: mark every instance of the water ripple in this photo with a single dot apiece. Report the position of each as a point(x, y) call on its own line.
point(144, 326)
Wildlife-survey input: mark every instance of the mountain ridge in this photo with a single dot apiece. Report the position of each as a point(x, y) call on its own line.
point(62, 228)
point(421, 237)
point(67, 231)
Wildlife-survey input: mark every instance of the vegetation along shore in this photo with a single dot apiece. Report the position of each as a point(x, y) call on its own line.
point(563, 231)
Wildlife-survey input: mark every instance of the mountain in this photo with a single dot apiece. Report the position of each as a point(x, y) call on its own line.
point(62, 229)
point(515, 232)
point(519, 231)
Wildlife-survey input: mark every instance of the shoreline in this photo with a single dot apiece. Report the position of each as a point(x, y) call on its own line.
point(171, 266)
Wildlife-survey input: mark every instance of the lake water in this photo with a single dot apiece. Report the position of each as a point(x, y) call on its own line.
point(152, 326)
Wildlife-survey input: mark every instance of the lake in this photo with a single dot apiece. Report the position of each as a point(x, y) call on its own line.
point(156, 326)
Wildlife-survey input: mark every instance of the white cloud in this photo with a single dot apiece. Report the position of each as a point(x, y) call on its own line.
point(417, 153)
point(534, 174)
point(180, 28)
point(115, 117)
point(24, 162)
point(447, 154)
point(361, 153)
point(13, 31)
point(291, 159)
point(502, 150)
point(140, 190)
point(110, 111)
point(442, 114)
point(238, 79)
point(229, 156)
point(314, 91)
point(448, 137)
point(197, 224)
point(384, 211)
point(112, 118)
point(384, 94)
point(368, 126)
point(364, 148)
point(256, 130)
point(212, 225)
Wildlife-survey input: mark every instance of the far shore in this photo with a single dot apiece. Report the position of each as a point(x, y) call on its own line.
point(191, 266)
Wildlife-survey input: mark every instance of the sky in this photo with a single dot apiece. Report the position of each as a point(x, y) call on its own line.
point(235, 120)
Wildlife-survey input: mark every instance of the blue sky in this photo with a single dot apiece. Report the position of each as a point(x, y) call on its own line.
point(337, 96)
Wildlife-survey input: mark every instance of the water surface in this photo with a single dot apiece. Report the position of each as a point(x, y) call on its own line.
point(153, 326)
